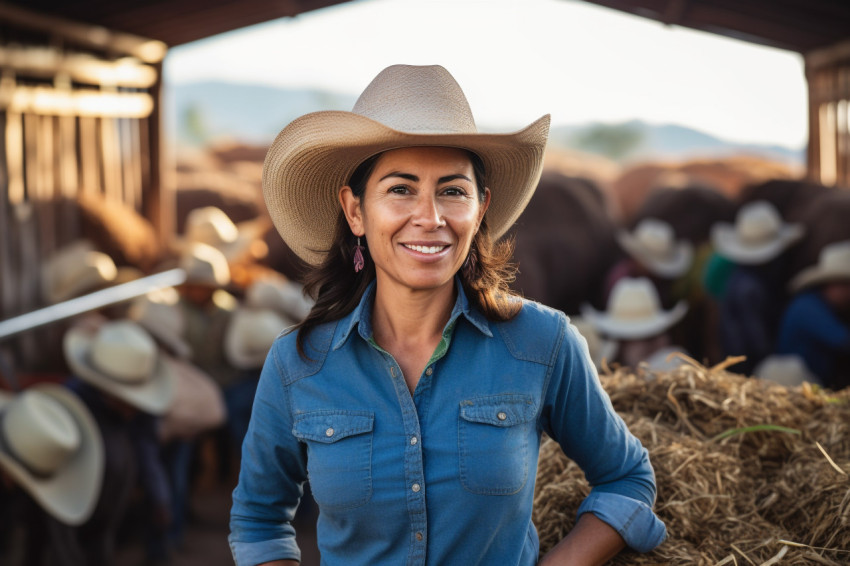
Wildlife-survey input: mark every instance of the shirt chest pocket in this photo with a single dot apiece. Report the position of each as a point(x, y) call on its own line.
point(339, 455)
point(493, 443)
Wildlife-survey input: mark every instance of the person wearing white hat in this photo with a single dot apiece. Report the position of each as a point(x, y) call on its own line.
point(635, 319)
point(754, 291)
point(816, 324)
point(126, 382)
point(415, 392)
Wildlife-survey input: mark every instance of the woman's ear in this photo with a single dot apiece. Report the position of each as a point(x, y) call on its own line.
point(351, 208)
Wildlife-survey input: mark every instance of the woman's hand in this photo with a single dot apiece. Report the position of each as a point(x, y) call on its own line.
point(591, 543)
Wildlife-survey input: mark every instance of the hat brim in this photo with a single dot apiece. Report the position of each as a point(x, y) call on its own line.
point(633, 329)
point(72, 494)
point(153, 396)
point(676, 264)
point(816, 275)
point(725, 239)
point(315, 155)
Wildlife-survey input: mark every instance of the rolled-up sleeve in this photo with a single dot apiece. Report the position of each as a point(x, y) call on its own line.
point(578, 414)
point(271, 477)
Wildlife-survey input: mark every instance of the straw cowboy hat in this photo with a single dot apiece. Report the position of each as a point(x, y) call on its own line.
point(634, 311)
point(833, 265)
point(403, 106)
point(654, 245)
point(51, 447)
point(212, 226)
point(158, 313)
point(205, 265)
point(75, 270)
point(250, 335)
point(758, 235)
point(280, 295)
point(785, 369)
point(122, 359)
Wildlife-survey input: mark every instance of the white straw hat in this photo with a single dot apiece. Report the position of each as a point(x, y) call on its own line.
point(212, 226)
point(159, 313)
point(205, 265)
point(250, 335)
point(758, 235)
point(654, 245)
point(634, 311)
point(833, 265)
point(280, 295)
point(74, 270)
point(51, 447)
point(122, 359)
point(404, 106)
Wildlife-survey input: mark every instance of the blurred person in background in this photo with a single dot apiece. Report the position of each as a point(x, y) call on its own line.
point(754, 294)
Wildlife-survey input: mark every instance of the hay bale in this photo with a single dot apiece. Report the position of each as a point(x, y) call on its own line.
point(725, 499)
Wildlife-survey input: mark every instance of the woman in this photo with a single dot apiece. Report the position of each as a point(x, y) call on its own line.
point(414, 394)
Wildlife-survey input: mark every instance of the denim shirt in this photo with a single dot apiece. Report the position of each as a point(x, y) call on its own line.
point(441, 477)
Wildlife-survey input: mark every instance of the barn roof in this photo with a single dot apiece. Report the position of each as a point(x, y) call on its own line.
point(798, 25)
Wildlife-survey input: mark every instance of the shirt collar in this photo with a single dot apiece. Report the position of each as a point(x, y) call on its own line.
point(361, 316)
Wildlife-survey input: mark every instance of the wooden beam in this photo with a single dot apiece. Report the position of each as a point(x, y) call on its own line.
point(148, 50)
point(61, 102)
point(836, 54)
point(47, 62)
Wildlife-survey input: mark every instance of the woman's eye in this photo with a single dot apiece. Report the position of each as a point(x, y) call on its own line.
point(399, 190)
point(454, 191)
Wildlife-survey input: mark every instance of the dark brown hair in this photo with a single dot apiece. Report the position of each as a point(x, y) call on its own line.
point(338, 289)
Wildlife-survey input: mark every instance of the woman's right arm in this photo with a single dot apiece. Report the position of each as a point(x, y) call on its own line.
point(271, 477)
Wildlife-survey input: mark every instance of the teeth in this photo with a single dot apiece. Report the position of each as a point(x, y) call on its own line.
point(426, 249)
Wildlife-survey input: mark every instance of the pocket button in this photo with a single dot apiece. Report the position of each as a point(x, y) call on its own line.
point(502, 416)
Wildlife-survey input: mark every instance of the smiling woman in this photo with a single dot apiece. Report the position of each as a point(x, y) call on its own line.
point(415, 393)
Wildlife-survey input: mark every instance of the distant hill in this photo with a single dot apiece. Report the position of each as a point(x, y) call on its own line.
point(204, 111)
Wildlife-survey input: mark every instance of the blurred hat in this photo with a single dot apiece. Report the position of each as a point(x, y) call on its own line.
point(758, 235)
point(205, 265)
point(212, 226)
point(403, 106)
point(785, 369)
point(74, 270)
point(250, 335)
point(280, 295)
point(122, 359)
point(51, 447)
point(158, 313)
point(598, 347)
point(634, 311)
point(654, 245)
point(833, 265)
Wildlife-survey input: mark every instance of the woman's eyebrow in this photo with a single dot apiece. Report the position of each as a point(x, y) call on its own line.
point(415, 179)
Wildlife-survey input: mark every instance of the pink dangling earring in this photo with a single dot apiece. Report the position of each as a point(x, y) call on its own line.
point(359, 262)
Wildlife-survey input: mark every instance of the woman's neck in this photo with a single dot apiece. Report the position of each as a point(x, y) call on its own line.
point(406, 316)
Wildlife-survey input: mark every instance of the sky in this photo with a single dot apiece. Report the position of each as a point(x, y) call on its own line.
point(519, 59)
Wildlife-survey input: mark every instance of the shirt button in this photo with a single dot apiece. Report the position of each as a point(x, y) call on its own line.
point(429, 371)
point(413, 440)
point(419, 536)
point(416, 487)
point(501, 416)
point(329, 432)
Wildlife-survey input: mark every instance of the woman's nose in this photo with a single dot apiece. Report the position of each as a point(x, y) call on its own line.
point(427, 213)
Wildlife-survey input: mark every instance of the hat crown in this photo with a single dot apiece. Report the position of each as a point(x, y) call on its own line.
point(124, 352)
point(260, 329)
point(835, 257)
point(152, 312)
point(40, 432)
point(420, 99)
point(204, 264)
point(758, 222)
point(633, 299)
point(656, 236)
point(212, 226)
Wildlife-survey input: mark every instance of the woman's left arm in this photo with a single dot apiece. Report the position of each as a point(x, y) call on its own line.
point(590, 543)
point(578, 414)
